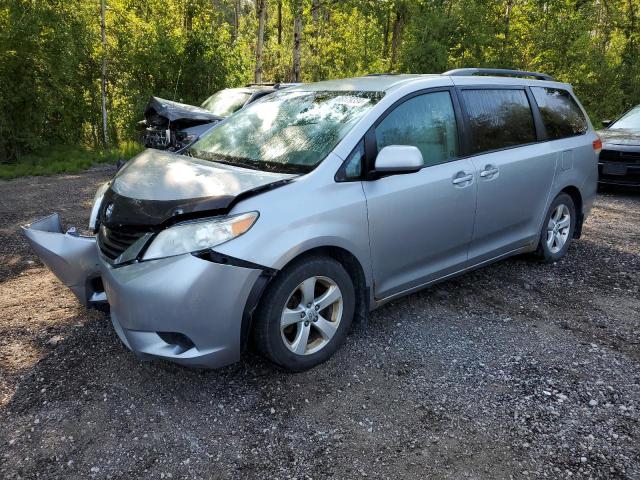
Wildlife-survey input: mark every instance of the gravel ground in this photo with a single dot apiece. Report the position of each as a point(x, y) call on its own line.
point(519, 370)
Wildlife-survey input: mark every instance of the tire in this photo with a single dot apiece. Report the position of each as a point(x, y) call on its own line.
point(279, 333)
point(556, 235)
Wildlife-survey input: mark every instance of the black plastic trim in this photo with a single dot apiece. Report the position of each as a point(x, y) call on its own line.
point(251, 306)
point(216, 257)
point(541, 130)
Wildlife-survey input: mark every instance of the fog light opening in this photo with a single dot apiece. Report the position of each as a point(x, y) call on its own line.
point(96, 284)
point(178, 340)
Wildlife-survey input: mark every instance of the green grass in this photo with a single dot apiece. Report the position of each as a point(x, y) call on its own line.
point(66, 159)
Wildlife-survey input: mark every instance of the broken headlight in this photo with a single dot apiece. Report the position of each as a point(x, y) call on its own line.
point(198, 235)
point(97, 200)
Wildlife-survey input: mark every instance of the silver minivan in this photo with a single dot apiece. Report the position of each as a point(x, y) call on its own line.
point(319, 203)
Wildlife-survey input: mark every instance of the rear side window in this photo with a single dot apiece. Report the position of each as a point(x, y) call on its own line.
point(498, 119)
point(560, 113)
point(427, 122)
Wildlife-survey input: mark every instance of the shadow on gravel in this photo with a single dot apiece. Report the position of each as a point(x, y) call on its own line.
point(26, 199)
point(92, 358)
point(91, 361)
point(510, 369)
point(620, 191)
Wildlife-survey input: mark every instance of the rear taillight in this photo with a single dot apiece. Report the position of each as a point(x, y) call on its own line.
point(597, 145)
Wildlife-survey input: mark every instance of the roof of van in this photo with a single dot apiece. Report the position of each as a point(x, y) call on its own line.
point(387, 82)
point(369, 83)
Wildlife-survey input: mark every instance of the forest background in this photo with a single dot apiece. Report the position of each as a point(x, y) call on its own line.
point(56, 66)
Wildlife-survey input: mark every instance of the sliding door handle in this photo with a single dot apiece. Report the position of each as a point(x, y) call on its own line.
point(488, 172)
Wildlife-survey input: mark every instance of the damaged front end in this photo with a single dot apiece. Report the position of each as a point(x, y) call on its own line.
point(72, 257)
point(167, 294)
point(172, 125)
point(152, 191)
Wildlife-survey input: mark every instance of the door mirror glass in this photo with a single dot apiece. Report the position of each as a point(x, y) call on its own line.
point(606, 123)
point(399, 159)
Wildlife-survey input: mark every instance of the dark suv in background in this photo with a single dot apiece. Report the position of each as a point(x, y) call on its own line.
point(619, 162)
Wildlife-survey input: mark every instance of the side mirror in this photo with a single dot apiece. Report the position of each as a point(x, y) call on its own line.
point(399, 159)
point(606, 123)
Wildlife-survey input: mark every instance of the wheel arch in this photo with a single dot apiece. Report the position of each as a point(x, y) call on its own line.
point(576, 196)
point(347, 259)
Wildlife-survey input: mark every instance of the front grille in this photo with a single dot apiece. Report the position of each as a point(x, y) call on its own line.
point(113, 241)
point(629, 158)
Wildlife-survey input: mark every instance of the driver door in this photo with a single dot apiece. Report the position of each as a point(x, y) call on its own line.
point(420, 224)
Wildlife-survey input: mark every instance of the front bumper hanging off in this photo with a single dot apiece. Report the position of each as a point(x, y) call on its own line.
point(71, 257)
point(184, 309)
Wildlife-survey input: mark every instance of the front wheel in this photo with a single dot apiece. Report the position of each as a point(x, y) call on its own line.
point(305, 314)
point(558, 228)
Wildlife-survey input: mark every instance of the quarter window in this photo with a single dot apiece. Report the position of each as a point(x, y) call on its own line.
point(560, 113)
point(498, 119)
point(427, 122)
point(353, 164)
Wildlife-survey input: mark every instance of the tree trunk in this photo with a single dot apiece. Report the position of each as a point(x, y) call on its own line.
point(188, 16)
point(396, 40)
point(103, 92)
point(315, 21)
point(236, 21)
point(297, 38)
point(279, 22)
point(507, 26)
point(632, 24)
point(387, 27)
point(262, 13)
point(630, 55)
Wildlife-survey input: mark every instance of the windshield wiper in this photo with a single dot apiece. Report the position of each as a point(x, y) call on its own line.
point(217, 159)
point(258, 165)
point(237, 164)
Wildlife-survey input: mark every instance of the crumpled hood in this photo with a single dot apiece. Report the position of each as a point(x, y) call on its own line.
point(174, 111)
point(156, 186)
point(620, 136)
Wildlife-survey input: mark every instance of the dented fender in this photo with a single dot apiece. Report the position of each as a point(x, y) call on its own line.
point(71, 257)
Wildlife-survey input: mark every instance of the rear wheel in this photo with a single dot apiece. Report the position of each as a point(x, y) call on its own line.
point(305, 314)
point(558, 228)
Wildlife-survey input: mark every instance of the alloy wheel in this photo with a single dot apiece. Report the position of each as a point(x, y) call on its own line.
point(311, 315)
point(558, 228)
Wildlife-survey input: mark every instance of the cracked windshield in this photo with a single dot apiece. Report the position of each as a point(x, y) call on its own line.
point(285, 132)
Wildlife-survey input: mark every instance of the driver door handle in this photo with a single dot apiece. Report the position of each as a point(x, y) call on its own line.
point(463, 179)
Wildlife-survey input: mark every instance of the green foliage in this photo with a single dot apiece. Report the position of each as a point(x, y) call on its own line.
point(67, 159)
point(51, 54)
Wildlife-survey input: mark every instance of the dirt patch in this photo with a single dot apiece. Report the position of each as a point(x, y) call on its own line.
point(516, 370)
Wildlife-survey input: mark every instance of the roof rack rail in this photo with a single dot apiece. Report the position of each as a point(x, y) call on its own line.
point(469, 72)
point(380, 74)
point(281, 85)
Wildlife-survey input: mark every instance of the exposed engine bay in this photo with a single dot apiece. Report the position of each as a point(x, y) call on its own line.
point(167, 124)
